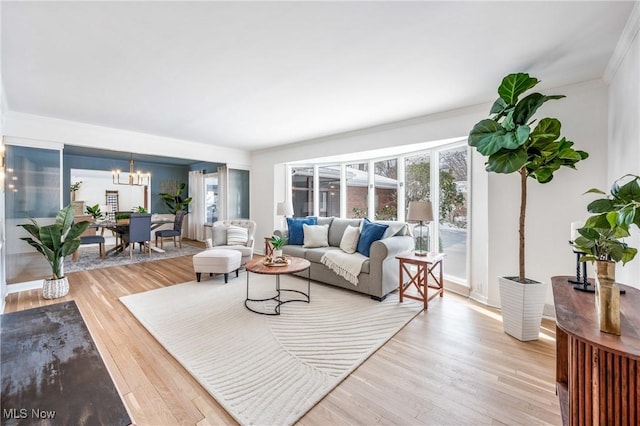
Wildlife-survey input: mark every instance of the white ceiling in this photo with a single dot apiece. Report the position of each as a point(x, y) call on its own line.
point(256, 74)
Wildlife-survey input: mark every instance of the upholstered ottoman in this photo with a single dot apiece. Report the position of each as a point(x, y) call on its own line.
point(217, 261)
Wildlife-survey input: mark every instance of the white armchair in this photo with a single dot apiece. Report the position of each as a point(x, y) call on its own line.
point(226, 235)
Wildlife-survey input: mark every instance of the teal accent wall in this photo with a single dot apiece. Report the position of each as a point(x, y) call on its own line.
point(159, 173)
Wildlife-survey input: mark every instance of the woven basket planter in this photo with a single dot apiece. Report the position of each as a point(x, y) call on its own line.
point(52, 289)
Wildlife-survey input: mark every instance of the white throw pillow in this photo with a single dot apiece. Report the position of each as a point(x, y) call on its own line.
point(209, 243)
point(219, 235)
point(349, 242)
point(237, 236)
point(315, 235)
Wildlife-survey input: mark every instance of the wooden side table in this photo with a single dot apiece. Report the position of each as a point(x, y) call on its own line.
point(268, 248)
point(420, 279)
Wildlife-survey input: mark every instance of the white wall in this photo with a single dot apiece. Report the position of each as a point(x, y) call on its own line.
point(96, 182)
point(624, 125)
point(494, 238)
point(79, 134)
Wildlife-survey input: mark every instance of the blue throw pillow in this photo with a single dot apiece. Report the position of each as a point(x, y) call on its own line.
point(296, 233)
point(370, 232)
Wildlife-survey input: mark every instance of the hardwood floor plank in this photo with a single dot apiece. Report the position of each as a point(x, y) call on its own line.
point(450, 365)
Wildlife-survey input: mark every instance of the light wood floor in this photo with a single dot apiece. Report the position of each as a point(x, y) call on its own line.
point(451, 365)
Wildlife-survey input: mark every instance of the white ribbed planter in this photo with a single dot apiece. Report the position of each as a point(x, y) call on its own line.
point(52, 289)
point(522, 306)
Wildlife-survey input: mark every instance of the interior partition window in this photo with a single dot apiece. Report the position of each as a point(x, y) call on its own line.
point(32, 190)
point(238, 197)
point(386, 189)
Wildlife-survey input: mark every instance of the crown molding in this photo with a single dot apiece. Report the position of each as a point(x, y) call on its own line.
point(627, 38)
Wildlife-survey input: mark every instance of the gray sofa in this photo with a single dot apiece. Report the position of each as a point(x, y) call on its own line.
point(379, 274)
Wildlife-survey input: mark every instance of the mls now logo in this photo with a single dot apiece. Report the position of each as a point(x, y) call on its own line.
point(15, 413)
point(23, 413)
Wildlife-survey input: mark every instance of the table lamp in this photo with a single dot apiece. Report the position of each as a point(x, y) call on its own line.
point(420, 211)
point(284, 208)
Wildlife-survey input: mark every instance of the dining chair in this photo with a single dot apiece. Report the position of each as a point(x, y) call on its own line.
point(139, 232)
point(89, 235)
point(91, 239)
point(175, 232)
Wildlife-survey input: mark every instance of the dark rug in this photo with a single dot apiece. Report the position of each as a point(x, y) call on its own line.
point(89, 257)
point(52, 373)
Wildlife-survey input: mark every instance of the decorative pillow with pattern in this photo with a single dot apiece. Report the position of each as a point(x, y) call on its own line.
point(237, 236)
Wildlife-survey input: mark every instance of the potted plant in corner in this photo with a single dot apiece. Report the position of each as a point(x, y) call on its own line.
point(176, 202)
point(600, 240)
point(513, 145)
point(55, 242)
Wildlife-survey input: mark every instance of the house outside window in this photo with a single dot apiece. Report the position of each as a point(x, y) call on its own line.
point(357, 190)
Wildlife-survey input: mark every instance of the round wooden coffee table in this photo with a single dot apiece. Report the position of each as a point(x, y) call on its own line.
point(296, 264)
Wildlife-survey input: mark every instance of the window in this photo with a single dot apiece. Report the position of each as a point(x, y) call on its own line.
point(453, 211)
point(329, 177)
point(417, 180)
point(385, 182)
point(379, 188)
point(302, 191)
point(211, 197)
point(357, 190)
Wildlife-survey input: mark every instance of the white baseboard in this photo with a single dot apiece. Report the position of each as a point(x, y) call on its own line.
point(453, 287)
point(549, 311)
point(479, 297)
point(25, 286)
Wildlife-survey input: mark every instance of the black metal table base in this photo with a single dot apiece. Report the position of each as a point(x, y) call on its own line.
point(278, 297)
point(582, 282)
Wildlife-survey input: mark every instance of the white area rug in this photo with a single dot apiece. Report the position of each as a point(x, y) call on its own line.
point(268, 370)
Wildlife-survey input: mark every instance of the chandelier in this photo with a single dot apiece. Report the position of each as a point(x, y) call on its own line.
point(135, 178)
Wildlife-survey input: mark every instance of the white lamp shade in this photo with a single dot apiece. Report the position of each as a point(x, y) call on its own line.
point(420, 211)
point(574, 229)
point(284, 208)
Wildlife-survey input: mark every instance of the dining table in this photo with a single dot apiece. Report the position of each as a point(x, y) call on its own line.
point(123, 227)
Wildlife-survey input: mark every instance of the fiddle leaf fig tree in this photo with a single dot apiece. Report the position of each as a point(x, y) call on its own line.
point(514, 143)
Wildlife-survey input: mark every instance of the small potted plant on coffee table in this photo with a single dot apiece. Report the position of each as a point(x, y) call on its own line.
point(277, 242)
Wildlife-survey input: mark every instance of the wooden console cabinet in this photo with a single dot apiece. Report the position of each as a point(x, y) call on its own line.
point(597, 374)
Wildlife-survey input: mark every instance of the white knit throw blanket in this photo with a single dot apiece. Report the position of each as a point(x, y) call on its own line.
point(347, 265)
